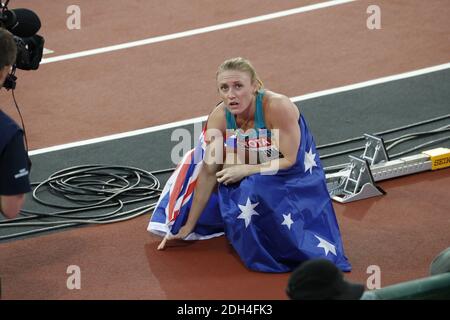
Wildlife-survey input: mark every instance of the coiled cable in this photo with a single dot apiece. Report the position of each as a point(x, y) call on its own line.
point(86, 188)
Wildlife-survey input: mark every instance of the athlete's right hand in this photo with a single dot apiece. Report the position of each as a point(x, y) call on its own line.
point(182, 233)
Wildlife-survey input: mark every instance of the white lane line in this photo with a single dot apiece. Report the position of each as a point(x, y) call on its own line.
point(118, 135)
point(203, 118)
point(372, 82)
point(198, 31)
point(47, 51)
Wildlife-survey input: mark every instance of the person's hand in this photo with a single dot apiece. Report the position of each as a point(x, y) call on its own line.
point(182, 233)
point(232, 174)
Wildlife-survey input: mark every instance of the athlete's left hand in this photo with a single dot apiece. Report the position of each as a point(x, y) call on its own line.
point(232, 174)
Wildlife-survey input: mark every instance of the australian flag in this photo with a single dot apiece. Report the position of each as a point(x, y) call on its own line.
point(175, 202)
point(274, 222)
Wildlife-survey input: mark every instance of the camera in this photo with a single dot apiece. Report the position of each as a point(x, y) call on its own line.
point(24, 25)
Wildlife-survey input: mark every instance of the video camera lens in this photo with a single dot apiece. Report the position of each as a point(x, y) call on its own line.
point(24, 25)
point(8, 19)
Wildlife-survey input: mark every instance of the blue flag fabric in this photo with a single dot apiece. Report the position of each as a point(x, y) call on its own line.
point(274, 222)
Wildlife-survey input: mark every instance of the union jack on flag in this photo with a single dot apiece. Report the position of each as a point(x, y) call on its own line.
point(173, 206)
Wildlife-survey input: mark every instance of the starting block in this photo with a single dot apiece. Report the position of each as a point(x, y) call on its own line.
point(375, 150)
point(357, 181)
point(358, 184)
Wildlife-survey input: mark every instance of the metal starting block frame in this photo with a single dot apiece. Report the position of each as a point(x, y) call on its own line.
point(357, 181)
point(374, 151)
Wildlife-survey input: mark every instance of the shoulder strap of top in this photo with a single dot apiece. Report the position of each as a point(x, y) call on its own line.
point(259, 112)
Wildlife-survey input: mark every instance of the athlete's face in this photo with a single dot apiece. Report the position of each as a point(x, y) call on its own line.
point(236, 90)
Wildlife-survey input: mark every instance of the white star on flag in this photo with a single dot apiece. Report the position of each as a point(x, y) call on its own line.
point(287, 220)
point(310, 161)
point(248, 211)
point(326, 246)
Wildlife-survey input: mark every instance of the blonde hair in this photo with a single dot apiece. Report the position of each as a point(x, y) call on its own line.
point(243, 65)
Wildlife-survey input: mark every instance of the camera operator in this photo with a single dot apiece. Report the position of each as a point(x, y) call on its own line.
point(14, 167)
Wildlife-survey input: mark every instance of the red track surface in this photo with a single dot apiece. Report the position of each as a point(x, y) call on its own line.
point(140, 87)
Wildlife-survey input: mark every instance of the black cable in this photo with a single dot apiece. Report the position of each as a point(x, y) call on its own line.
point(21, 120)
point(85, 188)
point(395, 140)
point(420, 146)
point(410, 136)
point(60, 183)
point(65, 225)
point(337, 143)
